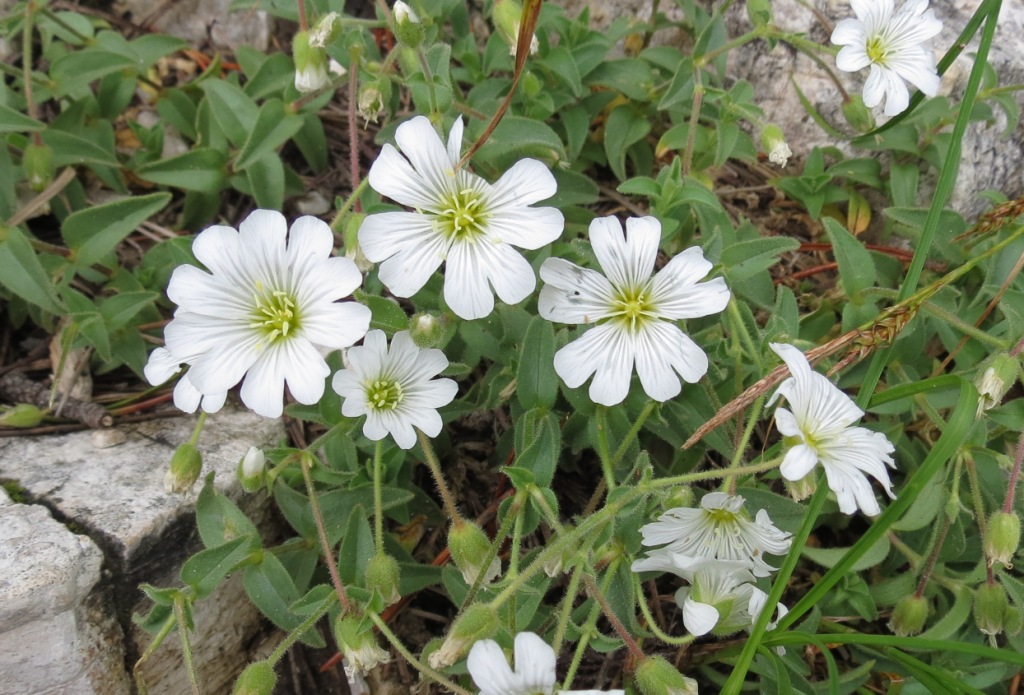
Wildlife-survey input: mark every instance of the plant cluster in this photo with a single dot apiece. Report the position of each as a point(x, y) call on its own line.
point(544, 213)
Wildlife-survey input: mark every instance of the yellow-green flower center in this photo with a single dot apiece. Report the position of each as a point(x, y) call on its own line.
point(462, 215)
point(383, 394)
point(632, 307)
point(721, 517)
point(876, 50)
point(275, 315)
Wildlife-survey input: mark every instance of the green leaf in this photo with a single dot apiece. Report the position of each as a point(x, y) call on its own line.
point(538, 442)
point(23, 274)
point(522, 137)
point(178, 110)
point(201, 169)
point(218, 519)
point(233, 110)
point(122, 308)
point(272, 590)
point(828, 557)
point(625, 127)
point(745, 259)
point(856, 267)
point(273, 127)
point(265, 177)
point(73, 149)
point(356, 547)
point(95, 232)
point(207, 568)
point(13, 122)
point(385, 314)
point(536, 381)
point(72, 70)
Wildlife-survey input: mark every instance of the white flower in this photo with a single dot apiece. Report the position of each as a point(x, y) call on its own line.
point(635, 312)
point(312, 77)
point(404, 13)
point(534, 673)
point(253, 462)
point(719, 529)
point(780, 153)
point(460, 218)
point(819, 430)
point(265, 311)
point(395, 389)
point(890, 43)
point(162, 365)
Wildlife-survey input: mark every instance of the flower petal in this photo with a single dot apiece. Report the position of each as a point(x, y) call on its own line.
point(490, 671)
point(535, 663)
point(573, 294)
point(528, 181)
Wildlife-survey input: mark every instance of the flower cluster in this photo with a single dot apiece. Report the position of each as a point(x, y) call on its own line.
point(719, 551)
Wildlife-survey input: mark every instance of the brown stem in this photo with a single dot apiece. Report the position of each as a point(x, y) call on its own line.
point(636, 654)
point(321, 530)
point(1011, 488)
point(933, 556)
point(303, 20)
point(353, 135)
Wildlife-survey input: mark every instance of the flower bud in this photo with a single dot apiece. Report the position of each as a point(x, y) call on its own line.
point(998, 377)
point(37, 163)
point(407, 25)
point(469, 546)
point(310, 65)
point(1002, 537)
point(507, 16)
point(257, 679)
point(801, 489)
point(655, 676)
point(370, 101)
point(990, 607)
point(857, 114)
point(427, 330)
point(186, 465)
point(480, 621)
point(357, 644)
point(774, 142)
point(325, 31)
point(251, 469)
point(909, 615)
point(682, 496)
point(382, 573)
point(21, 415)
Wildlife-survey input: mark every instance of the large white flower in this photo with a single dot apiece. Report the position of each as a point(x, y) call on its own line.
point(890, 43)
point(635, 312)
point(719, 529)
point(818, 430)
point(534, 673)
point(459, 218)
point(395, 390)
point(265, 311)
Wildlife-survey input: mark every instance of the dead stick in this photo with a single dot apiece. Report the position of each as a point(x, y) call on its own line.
point(18, 388)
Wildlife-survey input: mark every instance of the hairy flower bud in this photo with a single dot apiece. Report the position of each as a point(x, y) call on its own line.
point(427, 330)
point(1002, 537)
point(357, 644)
point(655, 676)
point(325, 31)
point(310, 64)
point(909, 615)
point(681, 496)
point(407, 25)
point(998, 377)
point(801, 489)
point(469, 546)
point(21, 415)
point(382, 573)
point(37, 163)
point(251, 471)
point(186, 465)
point(774, 142)
point(480, 621)
point(857, 114)
point(258, 678)
point(990, 608)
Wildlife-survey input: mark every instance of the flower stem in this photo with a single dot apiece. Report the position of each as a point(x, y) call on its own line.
point(691, 134)
point(587, 630)
point(634, 431)
point(378, 504)
point(292, 637)
point(1011, 487)
point(499, 538)
point(652, 624)
point(602, 447)
point(353, 133)
point(715, 474)
point(26, 61)
point(186, 648)
point(447, 500)
point(349, 203)
point(416, 663)
point(194, 441)
point(325, 545)
point(635, 652)
point(565, 611)
point(303, 20)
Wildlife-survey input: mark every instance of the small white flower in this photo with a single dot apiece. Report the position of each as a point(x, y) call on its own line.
point(780, 153)
point(312, 78)
point(534, 673)
point(253, 462)
point(635, 312)
point(460, 218)
point(404, 13)
point(265, 311)
point(819, 431)
point(719, 529)
point(162, 365)
point(890, 43)
point(395, 390)
point(363, 659)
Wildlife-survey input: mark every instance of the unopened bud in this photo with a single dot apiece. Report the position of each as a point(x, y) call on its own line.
point(427, 330)
point(909, 615)
point(469, 546)
point(358, 645)
point(21, 415)
point(990, 606)
point(1002, 537)
point(682, 496)
point(382, 574)
point(801, 489)
point(257, 679)
point(37, 163)
point(507, 16)
point(480, 621)
point(310, 65)
point(407, 25)
point(655, 676)
point(370, 101)
point(774, 142)
point(325, 31)
point(998, 376)
point(251, 469)
point(857, 114)
point(186, 465)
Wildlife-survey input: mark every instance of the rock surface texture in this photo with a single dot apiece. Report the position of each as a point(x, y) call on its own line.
point(66, 599)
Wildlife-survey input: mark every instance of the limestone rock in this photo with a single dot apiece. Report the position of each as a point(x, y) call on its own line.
point(202, 21)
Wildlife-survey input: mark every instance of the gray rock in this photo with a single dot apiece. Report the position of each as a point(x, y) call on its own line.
point(202, 21)
point(139, 533)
